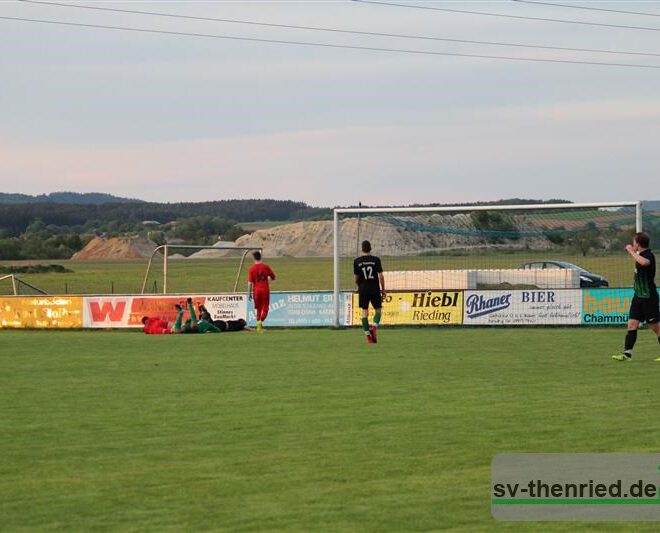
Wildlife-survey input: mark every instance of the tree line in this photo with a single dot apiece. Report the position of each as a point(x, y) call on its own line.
point(48, 230)
point(15, 218)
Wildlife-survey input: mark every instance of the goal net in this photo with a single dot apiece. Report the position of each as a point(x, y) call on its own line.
point(514, 247)
point(184, 269)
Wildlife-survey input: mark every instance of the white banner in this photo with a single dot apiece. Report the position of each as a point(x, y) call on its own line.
point(106, 311)
point(127, 311)
point(227, 306)
point(520, 307)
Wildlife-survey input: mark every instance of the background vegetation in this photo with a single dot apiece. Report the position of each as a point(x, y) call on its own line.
point(58, 225)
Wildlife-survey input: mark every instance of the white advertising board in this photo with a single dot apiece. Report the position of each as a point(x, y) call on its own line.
point(523, 307)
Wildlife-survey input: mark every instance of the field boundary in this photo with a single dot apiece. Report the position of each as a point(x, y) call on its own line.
point(494, 307)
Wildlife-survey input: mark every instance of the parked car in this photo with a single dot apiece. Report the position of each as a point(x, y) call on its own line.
point(587, 279)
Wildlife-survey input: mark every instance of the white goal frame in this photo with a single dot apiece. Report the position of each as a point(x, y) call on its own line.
point(166, 247)
point(454, 209)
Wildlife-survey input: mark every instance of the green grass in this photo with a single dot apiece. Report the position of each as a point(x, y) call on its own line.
point(185, 276)
point(303, 430)
point(309, 273)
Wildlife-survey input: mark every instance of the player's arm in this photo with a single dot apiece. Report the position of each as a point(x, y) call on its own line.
point(251, 281)
point(639, 258)
point(381, 277)
point(271, 274)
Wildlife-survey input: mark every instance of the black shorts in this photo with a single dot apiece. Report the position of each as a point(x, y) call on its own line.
point(371, 296)
point(645, 309)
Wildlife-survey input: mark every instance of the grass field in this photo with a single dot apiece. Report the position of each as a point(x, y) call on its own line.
point(299, 430)
point(309, 273)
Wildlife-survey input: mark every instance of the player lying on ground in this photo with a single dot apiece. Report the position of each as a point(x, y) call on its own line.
point(157, 326)
point(222, 325)
point(192, 324)
point(205, 323)
point(154, 325)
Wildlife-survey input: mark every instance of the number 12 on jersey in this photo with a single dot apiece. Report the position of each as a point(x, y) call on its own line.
point(368, 272)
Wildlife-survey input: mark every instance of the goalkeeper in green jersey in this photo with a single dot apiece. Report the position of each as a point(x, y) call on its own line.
point(192, 324)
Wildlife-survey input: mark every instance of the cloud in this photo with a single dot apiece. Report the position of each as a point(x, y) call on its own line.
point(553, 152)
point(168, 118)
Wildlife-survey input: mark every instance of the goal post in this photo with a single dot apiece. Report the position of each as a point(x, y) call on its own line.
point(487, 246)
point(233, 256)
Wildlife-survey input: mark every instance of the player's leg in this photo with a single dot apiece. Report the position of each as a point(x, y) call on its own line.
point(377, 303)
point(265, 306)
point(236, 325)
point(222, 325)
point(629, 342)
point(263, 313)
point(364, 310)
point(179, 318)
point(631, 337)
point(365, 326)
point(655, 327)
point(637, 315)
point(378, 315)
point(203, 325)
point(193, 315)
point(653, 319)
point(258, 307)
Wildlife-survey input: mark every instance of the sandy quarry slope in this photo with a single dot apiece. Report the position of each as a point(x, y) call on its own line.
point(115, 248)
point(428, 234)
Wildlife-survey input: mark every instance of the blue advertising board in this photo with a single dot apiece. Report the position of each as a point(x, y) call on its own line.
point(605, 306)
point(304, 309)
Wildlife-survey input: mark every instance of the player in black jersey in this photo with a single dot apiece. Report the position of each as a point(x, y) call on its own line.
point(645, 305)
point(371, 289)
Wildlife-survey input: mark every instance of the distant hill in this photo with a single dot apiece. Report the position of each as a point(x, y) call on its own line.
point(127, 217)
point(65, 197)
point(652, 205)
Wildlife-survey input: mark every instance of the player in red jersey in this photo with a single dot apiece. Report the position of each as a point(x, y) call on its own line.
point(155, 326)
point(259, 287)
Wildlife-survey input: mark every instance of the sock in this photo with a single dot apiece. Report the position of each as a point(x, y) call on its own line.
point(365, 325)
point(377, 318)
point(177, 322)
point(631, 337)
point(191, 310)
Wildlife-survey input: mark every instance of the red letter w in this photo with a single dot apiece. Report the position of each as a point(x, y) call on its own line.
point(108, 310)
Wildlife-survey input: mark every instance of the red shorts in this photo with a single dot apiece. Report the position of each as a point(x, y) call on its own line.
point(261, 303)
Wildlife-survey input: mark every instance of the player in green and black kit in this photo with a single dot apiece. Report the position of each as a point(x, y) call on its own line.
point(371, 289)
point(645, 305)
point(192, 325)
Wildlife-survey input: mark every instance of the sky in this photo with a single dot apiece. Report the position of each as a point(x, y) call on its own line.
point(169, 118)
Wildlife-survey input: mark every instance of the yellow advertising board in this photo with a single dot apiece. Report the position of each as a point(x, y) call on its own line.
point(418, 308)
point(48, 312)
